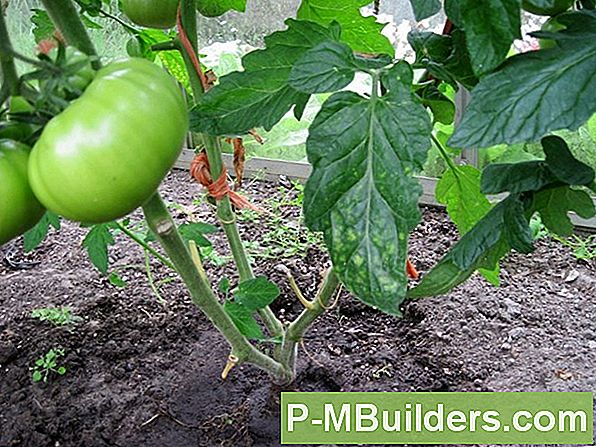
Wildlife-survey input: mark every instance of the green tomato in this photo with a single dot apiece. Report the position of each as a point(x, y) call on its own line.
point(107, 153)
point(552, 25)
point(19, 209)
point(151, 13)
point(551, 9)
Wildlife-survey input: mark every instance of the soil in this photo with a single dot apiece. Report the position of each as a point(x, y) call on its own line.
point(142, 373)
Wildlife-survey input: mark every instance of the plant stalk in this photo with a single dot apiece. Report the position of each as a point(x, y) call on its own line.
point(10, 77)
point(148, 248)
point(212, 145)
point(299, 326)
point(66, 18)
point(162, 224)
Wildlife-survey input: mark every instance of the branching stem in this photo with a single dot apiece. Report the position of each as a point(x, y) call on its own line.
point(163, 226)
point(298, 327)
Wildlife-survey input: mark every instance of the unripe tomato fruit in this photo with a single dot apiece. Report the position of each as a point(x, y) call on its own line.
point(552, 25)
point(151, 13)
point(107, 153)
point(19, 208)
point(557, 7)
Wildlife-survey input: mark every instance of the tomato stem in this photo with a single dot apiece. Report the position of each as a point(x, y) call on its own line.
point(187, 30)
point(298, 327)
point(145, 246)
point(161, 223)
point(66, 18)
point(10, 85)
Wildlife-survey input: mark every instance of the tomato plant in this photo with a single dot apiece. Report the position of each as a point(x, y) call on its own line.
point(105, 153)
point(19, 208)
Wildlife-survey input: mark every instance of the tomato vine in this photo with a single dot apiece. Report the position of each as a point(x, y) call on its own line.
point(365, 148)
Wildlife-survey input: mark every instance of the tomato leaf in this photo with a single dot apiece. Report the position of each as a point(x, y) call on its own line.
point(43, 27)
point(536, 92)
point(362, 34)
point(442, 107)
point(36, 235)
point(481, 247)
point(362, 151)
point(555, 203)
point(260, 95)
point(256, 293)
point(244, 320)
point(459, 190)
point(97, 242)
point(424, 9)
point(196, 232)
point(530, 175)
point(215, 8)
point(490, 27)
point(328, 67)
point(445, 57)
point(563, 164)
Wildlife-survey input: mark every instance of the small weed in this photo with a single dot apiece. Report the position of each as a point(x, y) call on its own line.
point(47, 364)
point(582, 248)
point(210, 255)
point(246, 215)
point(58, 316)
point(539, 231)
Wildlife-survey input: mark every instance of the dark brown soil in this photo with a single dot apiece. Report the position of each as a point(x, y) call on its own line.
point(140, 373)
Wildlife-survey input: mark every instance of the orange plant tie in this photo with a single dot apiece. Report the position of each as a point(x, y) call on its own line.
point(411, 270)
point(199, 170)
point(190, 51)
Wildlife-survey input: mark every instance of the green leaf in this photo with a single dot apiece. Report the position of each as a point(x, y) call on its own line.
point(36, 235)
point(445, 57)
point(441, 106)
point(536, 92)
point(37, 376)
point(554, 205)
point(116, 280)
point(196, 232)
point(459, 190)
point(260, 95)
point(224, 286)
point(364, 152)
point(256, 293)
point(244, 320)
point(423, 9)
point(328, 67)
point(481, 247)
point(215, 8)
point(97, 242)
point(43, 27)
point(517, 229)
point(362, 34)
point(516, 177)
point(490, 27)
point(61, 370)
point(563, 164)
